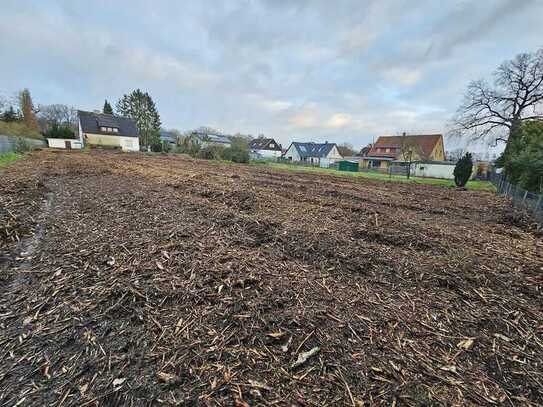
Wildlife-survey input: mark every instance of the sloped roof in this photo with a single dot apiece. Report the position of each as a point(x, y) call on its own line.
point(364, 150)
point(318, 150)
point(264, 144)
point(168, 136)
point(212, 138)
point(91, 123)
point(425, 142)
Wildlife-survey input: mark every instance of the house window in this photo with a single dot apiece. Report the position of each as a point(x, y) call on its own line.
point(387, 150)
point(109, 129)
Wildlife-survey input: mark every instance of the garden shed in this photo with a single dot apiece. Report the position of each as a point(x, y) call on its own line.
point(345, 165)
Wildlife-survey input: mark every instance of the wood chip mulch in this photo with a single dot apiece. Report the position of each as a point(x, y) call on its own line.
point(133, 279)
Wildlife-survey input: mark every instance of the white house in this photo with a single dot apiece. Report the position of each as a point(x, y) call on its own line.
point(322, 154)
point(265, 148)
point(99, 129)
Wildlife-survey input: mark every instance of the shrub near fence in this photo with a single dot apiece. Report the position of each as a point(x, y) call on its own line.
point(520, 198)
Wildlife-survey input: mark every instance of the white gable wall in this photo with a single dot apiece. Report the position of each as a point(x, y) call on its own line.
point(268, 153)
point(334, 154)
point(292, 154)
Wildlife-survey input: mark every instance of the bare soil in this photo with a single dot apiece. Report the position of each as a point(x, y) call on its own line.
point(131, 279)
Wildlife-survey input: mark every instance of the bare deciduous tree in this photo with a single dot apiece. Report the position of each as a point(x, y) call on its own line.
point(495, 111)
point(409, 149)
point(455, 155)
point(346, 149)
point(57, 114)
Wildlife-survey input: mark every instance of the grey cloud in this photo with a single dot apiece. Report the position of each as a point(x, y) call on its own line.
point(471, 22)
point(307, 69)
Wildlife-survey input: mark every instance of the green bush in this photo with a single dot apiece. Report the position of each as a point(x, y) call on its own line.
point(523, 163)
point(22, 146)
point(211, 152)
point(238, 151)
point(462, 170)
point(189, 145)
point(236, 154)
point(156, 147)
point(62, 131)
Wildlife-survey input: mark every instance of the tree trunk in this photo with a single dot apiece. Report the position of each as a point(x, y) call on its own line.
point(514, 133)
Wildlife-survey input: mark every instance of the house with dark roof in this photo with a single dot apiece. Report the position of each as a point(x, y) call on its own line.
point(406, 148)
point(168, 137)
point(322, 154)
point(99, 129)
point(207, 138)
point(262, 147)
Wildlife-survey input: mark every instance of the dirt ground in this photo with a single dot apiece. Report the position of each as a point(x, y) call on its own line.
point(130, 279)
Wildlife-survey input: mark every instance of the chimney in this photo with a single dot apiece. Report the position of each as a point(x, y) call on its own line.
point(403, 134)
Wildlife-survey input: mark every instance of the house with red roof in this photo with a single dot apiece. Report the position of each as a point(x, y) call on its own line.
point(405, 148)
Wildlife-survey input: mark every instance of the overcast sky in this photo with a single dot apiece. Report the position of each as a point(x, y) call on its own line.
point(343, 71)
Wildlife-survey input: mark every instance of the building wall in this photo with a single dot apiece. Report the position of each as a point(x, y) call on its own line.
point(433, 170)
point(366, 163)
point(438, 170)
point(61, 143)
point(292, 154)
point(268, 153)
point(334, 155)
point(438, 153)
point(130, 143)
point(126, 143)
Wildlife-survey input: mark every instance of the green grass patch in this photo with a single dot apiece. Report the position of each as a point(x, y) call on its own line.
point(8, 158)
point(471, 185)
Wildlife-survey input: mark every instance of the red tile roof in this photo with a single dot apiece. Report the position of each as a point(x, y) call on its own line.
point(426, 143)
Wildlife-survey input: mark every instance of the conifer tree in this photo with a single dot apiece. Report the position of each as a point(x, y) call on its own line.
point(462, 170)
point(139, 106)
point(107, 108)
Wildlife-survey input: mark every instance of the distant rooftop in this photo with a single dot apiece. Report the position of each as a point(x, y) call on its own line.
point(311, 149)
point(93, 123)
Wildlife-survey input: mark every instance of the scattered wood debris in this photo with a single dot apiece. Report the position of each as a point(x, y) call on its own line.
point(135, 279)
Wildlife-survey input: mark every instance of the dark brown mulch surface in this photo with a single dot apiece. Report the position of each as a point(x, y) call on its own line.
point(130, 279)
